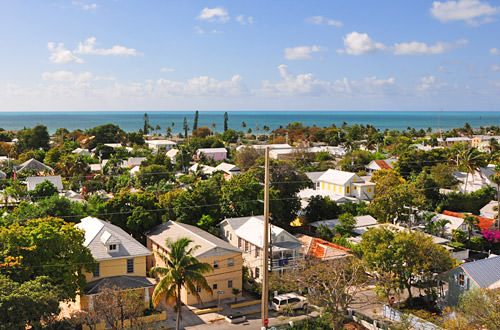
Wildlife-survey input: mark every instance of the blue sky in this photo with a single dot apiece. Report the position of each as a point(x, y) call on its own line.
point(250, 55)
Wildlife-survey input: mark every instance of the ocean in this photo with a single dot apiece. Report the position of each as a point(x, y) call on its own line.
point(256, 120)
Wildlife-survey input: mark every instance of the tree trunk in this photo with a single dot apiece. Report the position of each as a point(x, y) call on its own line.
point(177, 323)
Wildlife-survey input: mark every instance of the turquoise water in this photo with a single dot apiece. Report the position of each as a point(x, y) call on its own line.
point(132, 120)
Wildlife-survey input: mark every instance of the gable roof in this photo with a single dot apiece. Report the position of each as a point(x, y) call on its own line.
point(99, 233)
point(251, 229)
point(227, 168)
point(314, 176)
point(485, 272)
point(210, 245)
point(121, 282)
point(336, 177)
point(321, 249)
point(211, 150)
point(33, 164)
point(33, 181)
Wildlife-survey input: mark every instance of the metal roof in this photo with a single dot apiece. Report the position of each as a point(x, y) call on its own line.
point(484, 272)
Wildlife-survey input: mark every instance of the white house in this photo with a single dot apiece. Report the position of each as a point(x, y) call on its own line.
point(228, 169)
point(246, 233)
point(161, 145)
point(172, 154)
point(480, 179)
point(490, 210)
point(362, 221)
point(382, 164)
point(455, 223)
point(346, 184)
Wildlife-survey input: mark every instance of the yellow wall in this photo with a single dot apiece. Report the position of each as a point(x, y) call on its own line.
point(219, 276)
point(116, 267)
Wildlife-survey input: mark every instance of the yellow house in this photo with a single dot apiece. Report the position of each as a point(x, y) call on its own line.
point(225, 259)
point(121, 261)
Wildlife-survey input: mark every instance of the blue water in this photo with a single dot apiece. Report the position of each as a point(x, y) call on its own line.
point(133, 120)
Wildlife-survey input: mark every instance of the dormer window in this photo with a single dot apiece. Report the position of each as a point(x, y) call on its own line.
point(113, 247)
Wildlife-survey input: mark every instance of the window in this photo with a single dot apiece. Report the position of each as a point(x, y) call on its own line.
point(230, 283)
point(216, 264)
point(130, 266)
point(240, 243)
point(230, 236)
point(257, 272)
point(247, 246)
point(230, 262)
point(257, 252)
point(347, 190)
point(461, 280)
point(198, 288)
point(97, 271)
point(227, 233)
point(112, 247)
point(214, 286)
point(369, 189)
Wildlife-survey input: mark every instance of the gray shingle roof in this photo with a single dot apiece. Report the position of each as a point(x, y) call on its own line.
point(99, 234)
point(121, 282)
point(33, 181)
point(33, 164)
point(484, 272)
point(210, 245)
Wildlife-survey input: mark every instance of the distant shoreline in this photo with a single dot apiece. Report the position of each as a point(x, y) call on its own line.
point(255, 119)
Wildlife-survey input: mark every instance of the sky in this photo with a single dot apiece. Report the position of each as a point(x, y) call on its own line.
point(62, 55)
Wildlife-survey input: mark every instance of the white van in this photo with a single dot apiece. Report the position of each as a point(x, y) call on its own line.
point(288, 300)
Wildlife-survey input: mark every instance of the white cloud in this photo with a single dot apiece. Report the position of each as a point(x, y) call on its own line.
point(495, 67)
point(201, 86)
point(217, 14)
point(301, 52)
point(430, 83)
point(421, 48)
point(88, 47)
point(494, 51)
point(61, 55)
point(473, 12)
point(198, 30)
point(359, 44)
point(85, 6)
point(67, 76)
point(321, 20)
point(244, 20)
point(165, 69)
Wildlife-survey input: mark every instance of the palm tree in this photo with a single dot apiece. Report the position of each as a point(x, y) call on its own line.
point(471, 159)
point(495, 178)
point(181, 269)
point(471, 222)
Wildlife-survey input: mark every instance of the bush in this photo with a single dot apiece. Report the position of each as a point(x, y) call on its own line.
point(471, 202)
point(477, 243)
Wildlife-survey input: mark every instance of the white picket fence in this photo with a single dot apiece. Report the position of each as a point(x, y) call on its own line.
point(416, 322)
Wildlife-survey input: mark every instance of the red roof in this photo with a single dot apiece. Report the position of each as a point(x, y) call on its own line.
point(484, 223)
point(383, 164)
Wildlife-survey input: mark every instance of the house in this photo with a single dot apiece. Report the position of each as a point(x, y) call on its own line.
point(363, 222)
point(323, 250)
point(135, 161)
point(383, 164)
point(314, 176)
point(33, 164)
point(95, 167)
point(228, 169)
point(479, 179)
point(160, 145)
point(456, 222)
point(490, 210)
point(73, 196)
point(80, 151)
point(282, 153)
point(482, 222)
point(215, 154)
point(33, 181)
point(346, 184)
point(226, 260)
point(172, 154)
point(484, 274)
point(246, 233)
point(452, 140)
point(205, 169)
point(483, 142)
point(262, 147)
point(121, 261)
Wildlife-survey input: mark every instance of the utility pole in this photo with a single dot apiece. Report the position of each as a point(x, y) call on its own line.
point(265, 247)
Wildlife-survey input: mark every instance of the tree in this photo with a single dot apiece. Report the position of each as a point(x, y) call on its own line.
point(230, 136)
point(240, 197)
point(146, 124)
point(135, 138)
point(108, 133)
point(226, 118)
point(331, 284)
point(195, 121)
point(33, 138)
point(181, 269)
point(404, 256)
point(346, 224)
point(153, 174)
point(245, 157)
point(43, 190)
point(136, 213)
point(471, 222)
point(442, 174)
point(186, 128)
point(32, 303)
point(478, 309)
point(470, 159)
point(202, 131)
point(46, 247)
point(115, 306)
point(321, 208)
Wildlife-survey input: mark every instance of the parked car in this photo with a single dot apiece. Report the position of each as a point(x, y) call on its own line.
point(288, 300)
